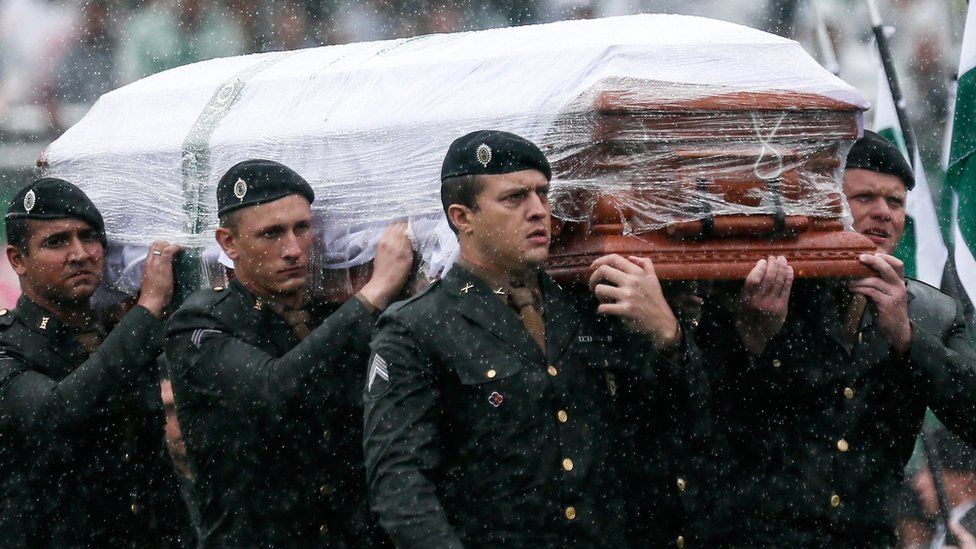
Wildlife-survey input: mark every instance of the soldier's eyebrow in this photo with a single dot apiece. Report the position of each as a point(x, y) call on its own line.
point(516, 188)
point(60, 235)
point(270, 229)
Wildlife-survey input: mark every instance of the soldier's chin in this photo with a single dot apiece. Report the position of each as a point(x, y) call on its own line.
point(75, 295)
point(291, 286)
point(83, 288)
point(536, 257)
point(887, 247)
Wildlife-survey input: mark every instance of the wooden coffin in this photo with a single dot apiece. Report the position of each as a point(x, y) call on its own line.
point(706, 186)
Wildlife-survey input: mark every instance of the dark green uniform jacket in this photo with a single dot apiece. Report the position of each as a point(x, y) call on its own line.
point(810, 440)
point(76, 450)
point(474, 437)
point(272, 425)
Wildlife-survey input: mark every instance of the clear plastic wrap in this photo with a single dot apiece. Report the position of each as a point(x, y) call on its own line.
point(667, 153)
point(368, 124)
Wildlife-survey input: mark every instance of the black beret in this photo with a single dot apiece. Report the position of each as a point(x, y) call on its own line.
point(51, 198)
point(254, 182)
point(875, 153)
point(492, 152)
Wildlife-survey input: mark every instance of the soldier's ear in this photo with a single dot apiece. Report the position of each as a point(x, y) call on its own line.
point(15, 256)
point(459, 216)
point(227, 241)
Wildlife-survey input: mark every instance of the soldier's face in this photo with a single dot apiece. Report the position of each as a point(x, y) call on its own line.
point(510, 229)
point(270, 246)
point(64, 261)
point(877, 203)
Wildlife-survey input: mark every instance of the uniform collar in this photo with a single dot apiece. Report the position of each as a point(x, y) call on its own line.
point(256, 302)
point(61, 337)
point(499, 284)
point(41, 320)
point(481, 304)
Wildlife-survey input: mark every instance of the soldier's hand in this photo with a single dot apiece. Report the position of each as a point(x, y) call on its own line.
point(156, 288)
point(963, 537)
point(629, 289)
point(391, 267)
point(763, 303)
point(889, 296)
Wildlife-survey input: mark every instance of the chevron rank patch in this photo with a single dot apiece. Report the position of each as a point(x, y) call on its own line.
point(199, 334)
point(378, 378)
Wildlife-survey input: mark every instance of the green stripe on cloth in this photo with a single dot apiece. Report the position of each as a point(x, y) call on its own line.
point(961, 175)
point(964, 123)
point(962, 178)
point(907, 247)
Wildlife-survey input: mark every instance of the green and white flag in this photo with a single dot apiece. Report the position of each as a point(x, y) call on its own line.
point(921, 247)
point(961, 172)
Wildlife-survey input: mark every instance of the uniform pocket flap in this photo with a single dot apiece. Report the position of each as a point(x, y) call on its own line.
point(488, 369)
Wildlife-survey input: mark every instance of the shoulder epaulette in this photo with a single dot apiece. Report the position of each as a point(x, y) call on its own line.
point(206, 298)
point(920, 287)
point(6, 318)
point(401, 304)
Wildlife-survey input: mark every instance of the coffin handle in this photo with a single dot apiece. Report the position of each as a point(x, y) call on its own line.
point(745, 226)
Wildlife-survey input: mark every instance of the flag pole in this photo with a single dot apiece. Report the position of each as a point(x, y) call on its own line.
point(884, 50)
point(881, 39)
point(935, 469)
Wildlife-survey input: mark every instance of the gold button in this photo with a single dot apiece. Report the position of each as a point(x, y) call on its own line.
point(127, 457)
point(680, 542)
point(134, 508)
point(848, 393)
point(324, 489)
point(324, 529)
point(777, 363)
point(842, 445)
point(562, 416)
point(568, 464)
point(3, 312)
point(552, 371)
point(570, 513)
point(682, 484)
point(491, 374)
point(326, 435)
point(835, 500)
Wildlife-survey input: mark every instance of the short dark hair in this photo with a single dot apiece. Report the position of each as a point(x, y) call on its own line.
point(18, 232)
point(461, 189)
point(228, 220)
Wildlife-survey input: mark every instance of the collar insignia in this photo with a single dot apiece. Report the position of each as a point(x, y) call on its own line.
point(500, 291)
point(44, 320)
point(467, 287)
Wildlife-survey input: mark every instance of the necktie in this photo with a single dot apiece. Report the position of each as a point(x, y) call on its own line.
point(851, 314)
point(298, 320)
point(523, 300)
point(89, 339)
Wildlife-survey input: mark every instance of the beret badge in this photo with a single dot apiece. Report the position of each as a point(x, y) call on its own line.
point(483, 154)
point(30, 200)
point(240, 189)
